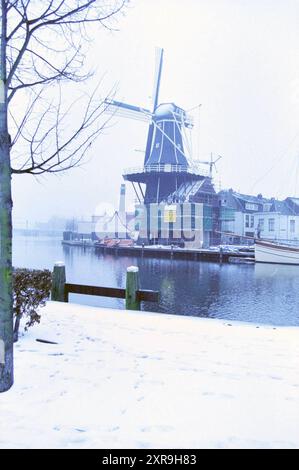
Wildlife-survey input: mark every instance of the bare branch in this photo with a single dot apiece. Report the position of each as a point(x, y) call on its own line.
point(46, 46)
point(33, 20)
point(48, 151)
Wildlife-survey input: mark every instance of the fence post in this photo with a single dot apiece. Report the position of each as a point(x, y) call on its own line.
point(132, 286)
point(58, 282)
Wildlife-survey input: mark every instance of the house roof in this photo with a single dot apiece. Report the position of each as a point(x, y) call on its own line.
point(235, 200)
point(295, 200)
point(250, 199)
point(293, 204)
point(282, 207)
point(238, 200)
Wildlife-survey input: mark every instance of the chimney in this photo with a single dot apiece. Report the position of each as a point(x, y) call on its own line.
point(122, 199)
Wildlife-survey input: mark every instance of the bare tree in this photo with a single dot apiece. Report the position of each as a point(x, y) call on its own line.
point(43, 46)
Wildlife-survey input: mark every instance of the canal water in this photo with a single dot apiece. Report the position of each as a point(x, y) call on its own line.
point(253, 293)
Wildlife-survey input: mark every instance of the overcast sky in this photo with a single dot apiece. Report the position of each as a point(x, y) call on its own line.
point(239, 59)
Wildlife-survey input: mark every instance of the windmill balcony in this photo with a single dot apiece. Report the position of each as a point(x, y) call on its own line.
point(167, 168)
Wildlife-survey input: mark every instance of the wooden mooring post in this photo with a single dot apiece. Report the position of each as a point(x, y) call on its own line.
point(132, 287)
point(58, 282)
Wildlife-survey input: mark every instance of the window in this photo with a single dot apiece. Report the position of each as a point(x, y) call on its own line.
point(247, 221)
point(292, 226)
point(267, 207)
point(251, 221)
point(261, 224)
point(271, 225)
point(251, 207)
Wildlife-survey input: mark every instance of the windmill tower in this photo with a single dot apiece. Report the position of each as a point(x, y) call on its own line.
point(166, 166)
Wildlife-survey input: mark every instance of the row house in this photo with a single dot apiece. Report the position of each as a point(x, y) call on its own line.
point(237, 215)
point(243, 217)
point(280, 222)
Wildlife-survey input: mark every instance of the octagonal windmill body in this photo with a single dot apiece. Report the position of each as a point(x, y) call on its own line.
point(166, 168)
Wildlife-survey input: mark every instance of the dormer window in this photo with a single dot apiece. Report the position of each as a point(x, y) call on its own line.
point(251, 207)
point(267, 207)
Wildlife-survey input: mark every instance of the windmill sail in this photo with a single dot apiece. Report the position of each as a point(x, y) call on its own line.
point(127, 110)
point(158, 73)
point(156, 90)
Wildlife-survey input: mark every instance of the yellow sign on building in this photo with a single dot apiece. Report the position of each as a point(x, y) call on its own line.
point(170, 214)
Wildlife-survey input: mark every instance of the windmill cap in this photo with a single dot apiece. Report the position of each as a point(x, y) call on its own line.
point(167, 110)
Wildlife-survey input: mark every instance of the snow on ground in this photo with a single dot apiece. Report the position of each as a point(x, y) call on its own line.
point(122, 379)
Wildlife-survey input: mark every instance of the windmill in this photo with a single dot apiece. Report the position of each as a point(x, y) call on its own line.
point(166, 165)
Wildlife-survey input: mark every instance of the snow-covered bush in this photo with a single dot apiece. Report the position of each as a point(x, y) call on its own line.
point(31, 289)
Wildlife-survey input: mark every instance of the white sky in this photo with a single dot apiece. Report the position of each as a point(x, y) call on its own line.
point(238, 58)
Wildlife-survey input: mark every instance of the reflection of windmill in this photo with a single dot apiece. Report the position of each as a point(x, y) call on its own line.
point(166, 166)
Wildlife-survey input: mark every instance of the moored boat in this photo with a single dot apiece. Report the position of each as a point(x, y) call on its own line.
point(269, 252)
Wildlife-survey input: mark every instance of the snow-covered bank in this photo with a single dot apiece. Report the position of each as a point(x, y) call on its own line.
point(122, 379)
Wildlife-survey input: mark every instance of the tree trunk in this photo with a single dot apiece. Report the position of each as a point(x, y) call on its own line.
point(6, 310)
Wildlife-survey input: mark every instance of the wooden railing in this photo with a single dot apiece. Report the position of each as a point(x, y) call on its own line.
point(132, 293)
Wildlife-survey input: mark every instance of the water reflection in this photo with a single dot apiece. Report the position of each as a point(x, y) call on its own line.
point(259, 293)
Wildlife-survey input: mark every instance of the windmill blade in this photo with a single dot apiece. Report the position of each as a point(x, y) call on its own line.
point(157, 79)
point(155, 98)
point(217, 159)
point(149, 142)
point(127, 111)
